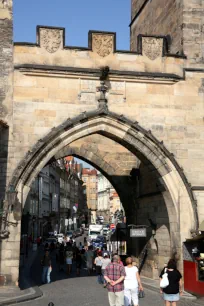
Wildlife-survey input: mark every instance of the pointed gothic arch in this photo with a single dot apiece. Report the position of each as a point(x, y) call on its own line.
point(129, 134)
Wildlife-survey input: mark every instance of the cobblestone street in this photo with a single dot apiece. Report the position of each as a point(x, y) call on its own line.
point(83, 290)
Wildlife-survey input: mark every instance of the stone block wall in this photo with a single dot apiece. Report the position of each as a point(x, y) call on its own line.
point(157, 17)
point(9, 248)
point(182, 20)
point(151, 206)
point(136, 6)
point(6, 59)
point(193, 32)
point(6, 87)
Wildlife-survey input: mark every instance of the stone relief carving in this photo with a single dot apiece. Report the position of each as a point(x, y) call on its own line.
point(102, 44)
point(50, 39)
point(152, 47)
point(6, 4)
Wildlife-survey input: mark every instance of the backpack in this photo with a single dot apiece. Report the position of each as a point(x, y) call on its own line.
point(165, 281)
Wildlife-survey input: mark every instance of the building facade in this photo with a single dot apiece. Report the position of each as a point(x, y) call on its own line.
point(115, 205)
point(55, 101)
point(89, 177)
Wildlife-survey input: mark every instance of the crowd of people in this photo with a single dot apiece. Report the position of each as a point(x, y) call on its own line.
point(123, 282)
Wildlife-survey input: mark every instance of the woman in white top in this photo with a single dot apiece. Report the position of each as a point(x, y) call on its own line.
point(106, 261)
point(131, 283)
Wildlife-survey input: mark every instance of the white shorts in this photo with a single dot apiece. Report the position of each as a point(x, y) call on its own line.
point(131, 295)
point(68, 261)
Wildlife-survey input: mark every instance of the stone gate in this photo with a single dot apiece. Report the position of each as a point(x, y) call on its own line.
point(151, 119)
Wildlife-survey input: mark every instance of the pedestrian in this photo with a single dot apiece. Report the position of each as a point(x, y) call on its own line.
point(30, 239)
point(105, 263)
point(98, 262)
point(172, 292)
point(132, 283)
point(46, 247)
point(69, 258)
point(78, 258)
point(38, 241)
point(83, 256)
point(47, 267)
point(105, 251)
point(61, 257)
point(89, 255)
point(120, 261)
point(114, 275)
point(134, 261)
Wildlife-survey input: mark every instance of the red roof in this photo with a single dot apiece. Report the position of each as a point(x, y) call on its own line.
point(69, 158)
point(114, 195)
point(89, 171)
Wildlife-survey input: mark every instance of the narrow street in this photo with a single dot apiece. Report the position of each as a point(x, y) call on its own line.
point(83, 290)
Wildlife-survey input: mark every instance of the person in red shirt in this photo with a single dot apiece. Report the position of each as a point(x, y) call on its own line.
point(114, 275)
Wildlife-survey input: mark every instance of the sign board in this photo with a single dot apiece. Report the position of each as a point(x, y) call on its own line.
point(138, 232)
point(112, 226)
point(66, 222)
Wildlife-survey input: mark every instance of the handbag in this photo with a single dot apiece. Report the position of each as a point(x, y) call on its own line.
point(141, 294)
point(164, 281)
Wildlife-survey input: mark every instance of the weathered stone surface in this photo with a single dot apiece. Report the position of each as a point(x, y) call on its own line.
point(53, 83)
point(181, 20)
point(102, 44)
point(158, 18)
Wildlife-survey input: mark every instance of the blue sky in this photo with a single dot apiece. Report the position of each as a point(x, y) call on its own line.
point(85, 165)
point(77, 17)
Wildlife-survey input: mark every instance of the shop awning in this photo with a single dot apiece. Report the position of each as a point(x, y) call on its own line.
point(199, 237)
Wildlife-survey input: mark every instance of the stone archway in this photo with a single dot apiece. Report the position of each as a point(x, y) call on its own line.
point(143, 144)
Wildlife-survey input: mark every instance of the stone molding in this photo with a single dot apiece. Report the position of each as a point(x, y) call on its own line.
point(157, 77)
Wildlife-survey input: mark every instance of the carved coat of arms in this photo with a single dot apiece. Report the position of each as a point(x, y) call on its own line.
point(152, 47)
point(50, 39)
point(102, 44)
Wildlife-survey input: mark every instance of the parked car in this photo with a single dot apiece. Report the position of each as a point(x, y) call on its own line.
point(102, 238)
point(98, 243)
point(105, 231)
